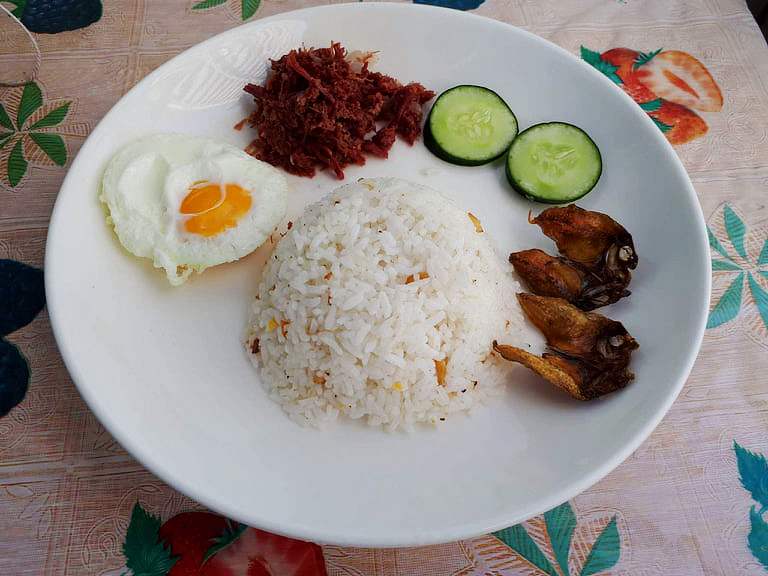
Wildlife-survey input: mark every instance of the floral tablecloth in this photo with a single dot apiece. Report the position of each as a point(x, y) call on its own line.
point(691, 500)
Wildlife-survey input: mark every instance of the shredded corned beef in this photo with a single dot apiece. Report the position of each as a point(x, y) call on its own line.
point(317, 109)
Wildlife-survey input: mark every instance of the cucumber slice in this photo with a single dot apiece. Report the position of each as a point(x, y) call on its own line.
point(469, 125)
point(553, 163)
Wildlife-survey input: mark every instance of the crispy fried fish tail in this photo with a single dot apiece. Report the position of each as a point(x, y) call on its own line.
point(562, 378)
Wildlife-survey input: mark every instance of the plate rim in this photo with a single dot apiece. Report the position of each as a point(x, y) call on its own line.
point(358, 538)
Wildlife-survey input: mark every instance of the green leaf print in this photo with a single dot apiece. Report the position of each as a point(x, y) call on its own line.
point(662, 125)
point(31, 100)
point(735, 229)
point(22, 138)
point(729, 305)
point(753, 271)
point(520, 541)
point(596, 61)
point(230, 535)
point(5, 137)
point(205, 4)
point(18, 9)
point(5, 120)
point(53, 118)
point(606, 551)
point(760, 297)
point(52, 145)
point(145, 554)
point(763, 259)
point(644, 57)
point(758, 537)
point(561, 522)
point(17, 165)
point(714, 243)
point(753, 473)
point(724, 265)
point(651, 106)
point(249, 8)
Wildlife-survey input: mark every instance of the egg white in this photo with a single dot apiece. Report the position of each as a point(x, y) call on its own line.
point(146, 181)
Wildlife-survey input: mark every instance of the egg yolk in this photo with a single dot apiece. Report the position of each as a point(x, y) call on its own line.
point(213, 213)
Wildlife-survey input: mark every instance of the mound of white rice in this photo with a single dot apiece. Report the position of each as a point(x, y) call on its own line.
point(373, 292)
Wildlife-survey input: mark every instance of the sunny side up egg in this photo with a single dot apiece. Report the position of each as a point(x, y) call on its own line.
point(190, 203)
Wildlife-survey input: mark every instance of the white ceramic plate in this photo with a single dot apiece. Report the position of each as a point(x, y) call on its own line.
point(164, 368)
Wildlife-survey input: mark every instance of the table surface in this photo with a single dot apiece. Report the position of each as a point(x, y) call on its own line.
point(691, 500)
